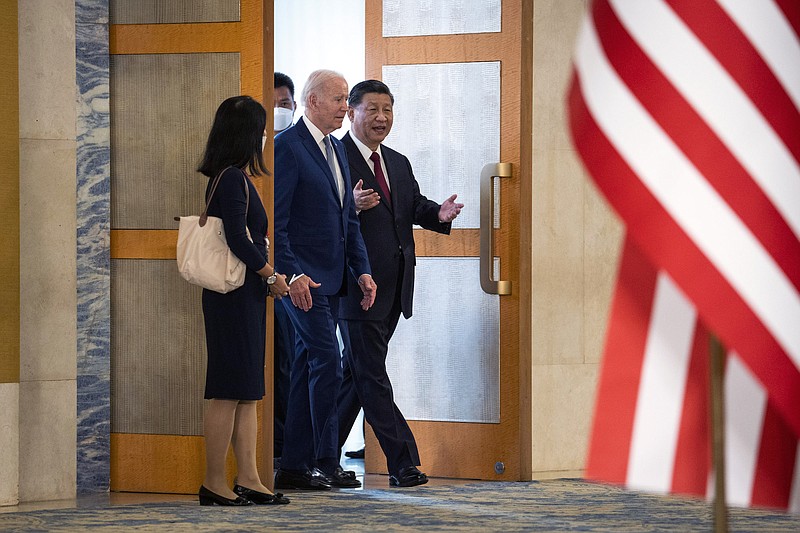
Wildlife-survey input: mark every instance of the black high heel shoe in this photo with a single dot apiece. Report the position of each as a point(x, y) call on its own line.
point(261, 498)
point(211, 498)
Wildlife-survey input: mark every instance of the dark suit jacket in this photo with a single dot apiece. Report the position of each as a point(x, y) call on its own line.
point(388, 232)
point(314, 234)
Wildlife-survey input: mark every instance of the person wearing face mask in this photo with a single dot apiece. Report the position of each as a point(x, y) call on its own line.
point(389, 203)
point(283, 100)
point(284, 107)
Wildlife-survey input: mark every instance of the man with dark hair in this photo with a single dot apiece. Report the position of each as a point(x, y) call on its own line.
point(389, 203)
point(283, 108)
point(284, 105)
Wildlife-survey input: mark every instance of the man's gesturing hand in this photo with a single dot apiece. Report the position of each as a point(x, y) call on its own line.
point(300, 292)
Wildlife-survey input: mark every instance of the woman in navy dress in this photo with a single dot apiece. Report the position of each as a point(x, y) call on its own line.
point(235, 322)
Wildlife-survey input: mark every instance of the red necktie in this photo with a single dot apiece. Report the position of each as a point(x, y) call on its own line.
point(376, 159)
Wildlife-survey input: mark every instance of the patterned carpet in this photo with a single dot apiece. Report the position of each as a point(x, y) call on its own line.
point(557, 505)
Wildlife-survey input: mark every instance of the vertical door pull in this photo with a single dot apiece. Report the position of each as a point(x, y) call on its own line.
point(489, 172)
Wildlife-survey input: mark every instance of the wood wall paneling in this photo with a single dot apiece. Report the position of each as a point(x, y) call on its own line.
point(265, 186)
point(143, 463)
point(175, 463)
point(160, 244)
point(9, 195)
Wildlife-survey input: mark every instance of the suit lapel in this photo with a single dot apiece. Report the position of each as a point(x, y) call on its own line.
point(361, 167)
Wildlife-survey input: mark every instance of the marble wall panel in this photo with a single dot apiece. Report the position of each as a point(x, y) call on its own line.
point(47, 260)
point(93, 245)
point(558, 266)
point(575, 246)
point(603, 237)
point(47, 73)
point(47, 440)
point(563, 396)
point(576, 236)
point(47, 129)
point(9, 444)
point(556, 24)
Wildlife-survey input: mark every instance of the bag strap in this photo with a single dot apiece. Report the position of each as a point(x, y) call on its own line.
point(204, 215)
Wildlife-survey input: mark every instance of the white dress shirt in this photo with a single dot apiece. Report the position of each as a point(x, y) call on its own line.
point(319, 136)
point(366, 151)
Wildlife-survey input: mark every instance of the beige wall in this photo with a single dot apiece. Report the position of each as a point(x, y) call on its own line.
point(576, 241)
point(47, 179)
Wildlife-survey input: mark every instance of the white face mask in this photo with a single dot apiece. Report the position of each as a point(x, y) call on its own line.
point(283, 118)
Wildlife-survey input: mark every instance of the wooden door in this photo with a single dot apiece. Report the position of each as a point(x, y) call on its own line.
point(174, 462)
point(498, 448)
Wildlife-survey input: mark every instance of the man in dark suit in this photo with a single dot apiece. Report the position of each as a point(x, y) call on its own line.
point(283, 338)
point(389, 203)
point(319, 247)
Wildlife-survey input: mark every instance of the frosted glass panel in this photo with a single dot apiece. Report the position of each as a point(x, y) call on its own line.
point(444, 362)
point(440, 17)
point(447, 121)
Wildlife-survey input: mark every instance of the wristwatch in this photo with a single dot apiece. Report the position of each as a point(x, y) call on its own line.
point(272, 279)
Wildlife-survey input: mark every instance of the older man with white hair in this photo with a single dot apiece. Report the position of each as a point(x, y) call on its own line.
point(317, 245)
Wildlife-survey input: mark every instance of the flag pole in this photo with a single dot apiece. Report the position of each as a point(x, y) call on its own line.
point(718, 434)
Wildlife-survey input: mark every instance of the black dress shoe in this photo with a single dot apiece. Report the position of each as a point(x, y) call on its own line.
point(410, 476)
point(346, 473)
point(212, 498)
point(307, 480)
point(355, 454)
point(260, 498)
point(344, 479)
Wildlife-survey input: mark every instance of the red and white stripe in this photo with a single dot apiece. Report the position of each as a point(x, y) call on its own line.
point(687, 115)
point(651, 427)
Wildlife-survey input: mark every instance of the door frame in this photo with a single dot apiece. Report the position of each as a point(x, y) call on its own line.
point(449, 449)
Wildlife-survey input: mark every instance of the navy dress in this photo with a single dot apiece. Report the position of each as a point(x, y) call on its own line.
point(236, 322)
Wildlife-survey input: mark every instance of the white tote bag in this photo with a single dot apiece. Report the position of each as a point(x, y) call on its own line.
point(204, 257)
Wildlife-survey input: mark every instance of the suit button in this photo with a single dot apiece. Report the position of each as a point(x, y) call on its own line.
point(341, 239)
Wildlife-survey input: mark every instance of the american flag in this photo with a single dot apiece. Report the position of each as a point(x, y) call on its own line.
point(687, 115)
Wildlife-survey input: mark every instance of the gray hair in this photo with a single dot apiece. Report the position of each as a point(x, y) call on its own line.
point(315, 80)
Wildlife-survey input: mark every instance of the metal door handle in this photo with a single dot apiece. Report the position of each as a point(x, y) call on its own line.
point(490, 171)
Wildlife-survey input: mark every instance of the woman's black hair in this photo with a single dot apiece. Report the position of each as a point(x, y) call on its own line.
point(235, 137)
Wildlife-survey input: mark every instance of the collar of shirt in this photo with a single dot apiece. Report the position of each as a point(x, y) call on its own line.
point(319, 136)
point(315, 132)
point(366, 151)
